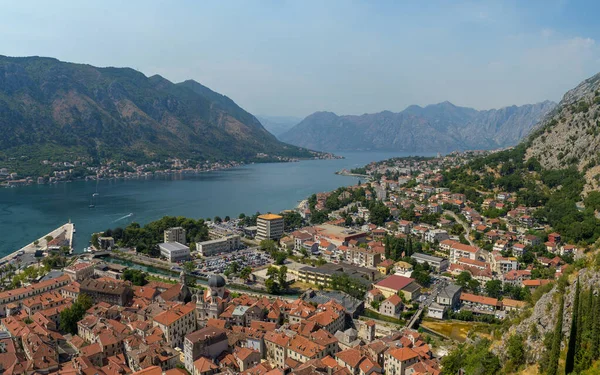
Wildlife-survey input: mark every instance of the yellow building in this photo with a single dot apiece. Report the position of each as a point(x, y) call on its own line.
point(385, 267)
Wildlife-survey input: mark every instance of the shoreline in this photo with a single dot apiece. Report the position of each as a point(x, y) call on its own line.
point(29, 180)
point(31, 248)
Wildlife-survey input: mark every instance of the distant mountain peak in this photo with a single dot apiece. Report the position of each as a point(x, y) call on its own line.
point(439, 127)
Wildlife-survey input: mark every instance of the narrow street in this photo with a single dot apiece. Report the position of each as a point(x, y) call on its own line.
point(465, 225)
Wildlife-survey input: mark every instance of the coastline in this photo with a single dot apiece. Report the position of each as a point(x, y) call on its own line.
point(31, 248)
point(29, 180)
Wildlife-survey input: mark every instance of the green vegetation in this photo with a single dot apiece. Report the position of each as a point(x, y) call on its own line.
point(71, 315)
point(270, 247)
point(337, 199)
point(292, 220)
point(277, 280)
point(349, 285)
point(471, 359)
point(584, 336)
point(145, 239)
point(554, 192)
point(58, 135)
point(136, 277)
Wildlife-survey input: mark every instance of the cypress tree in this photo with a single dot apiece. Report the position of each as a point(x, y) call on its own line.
point(595, 327)
point(387, 246)
point(556, 339)
point(573, 335)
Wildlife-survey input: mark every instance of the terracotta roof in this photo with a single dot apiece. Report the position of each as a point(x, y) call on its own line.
point(34, 287)
point(152, 370)
point(395, 282)
point(175, 313)
point(394, 299)
point(403, 354)
point(351, 357)
point(305, 347)
point(536, 282)
point(478, 299)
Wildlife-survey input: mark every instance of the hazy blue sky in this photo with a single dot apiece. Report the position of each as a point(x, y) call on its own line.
point(349, 57)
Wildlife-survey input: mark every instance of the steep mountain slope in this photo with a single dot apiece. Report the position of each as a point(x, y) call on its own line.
point(571, 135)
point(53, 107)
point(440, 127)
point(278, 125)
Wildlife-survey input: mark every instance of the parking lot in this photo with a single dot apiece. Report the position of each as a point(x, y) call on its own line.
point(217, 264)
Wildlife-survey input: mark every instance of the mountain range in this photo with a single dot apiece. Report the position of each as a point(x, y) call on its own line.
point(54, 108)
point(442, 127)
point(278, 125)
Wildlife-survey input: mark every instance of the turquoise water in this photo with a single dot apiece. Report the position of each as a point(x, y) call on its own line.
point(30, 212)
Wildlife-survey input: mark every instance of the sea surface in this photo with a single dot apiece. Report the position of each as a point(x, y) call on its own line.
point(30, 212)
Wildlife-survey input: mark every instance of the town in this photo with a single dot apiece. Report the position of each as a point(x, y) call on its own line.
point(53, 171)
point(361, 280)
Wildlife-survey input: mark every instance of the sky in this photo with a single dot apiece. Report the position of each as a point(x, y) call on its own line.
point(292, 58)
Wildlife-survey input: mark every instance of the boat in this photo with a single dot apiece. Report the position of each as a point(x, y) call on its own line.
point(95, 194)
point(92, 206)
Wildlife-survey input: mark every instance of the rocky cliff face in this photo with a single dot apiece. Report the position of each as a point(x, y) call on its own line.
point(440, 127)
point(544, 317)
point(570, 136)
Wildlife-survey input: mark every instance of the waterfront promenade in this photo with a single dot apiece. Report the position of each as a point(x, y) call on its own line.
point(30, 249)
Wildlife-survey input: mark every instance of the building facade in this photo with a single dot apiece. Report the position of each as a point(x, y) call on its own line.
point(176, 234)
point(174, 251)
point(269, 227)
point(220, 245)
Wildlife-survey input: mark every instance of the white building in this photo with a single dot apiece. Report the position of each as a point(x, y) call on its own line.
point(439, 264)
point(438, 235)
point(270, 227)
point(174, 251)
point(220, 245)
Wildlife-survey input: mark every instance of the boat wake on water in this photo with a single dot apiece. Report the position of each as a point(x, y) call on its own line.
point(124, 217)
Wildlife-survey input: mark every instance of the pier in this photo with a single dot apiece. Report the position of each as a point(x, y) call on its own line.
point(64, 232)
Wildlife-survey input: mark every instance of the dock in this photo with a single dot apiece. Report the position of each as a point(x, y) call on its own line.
point(65, 230)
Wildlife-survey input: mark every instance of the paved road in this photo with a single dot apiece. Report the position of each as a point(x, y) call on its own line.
point(435, 290)
point(465, 225)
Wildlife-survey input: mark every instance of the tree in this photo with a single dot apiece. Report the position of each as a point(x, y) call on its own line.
point(48, 238)
point(227, 218)
point(268, 245)
point(463, 279)
point(282, 277)
point(136, 277)
point(348, 222)
point(422, 277)
point(217, 219)
point(515, 352)
point(36, 242)
point(189, 266)
point(279, 257)
point(245, 272)
point(572, 347)
point(493, 288)
point(556, 340)
point(71, 315)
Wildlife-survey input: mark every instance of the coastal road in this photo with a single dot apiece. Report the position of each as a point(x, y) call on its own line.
point(464, 225)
